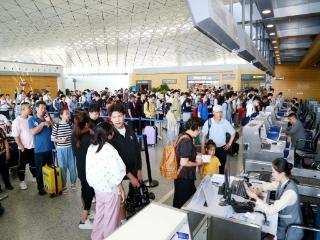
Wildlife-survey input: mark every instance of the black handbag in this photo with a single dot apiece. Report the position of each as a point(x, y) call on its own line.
point(138, 198)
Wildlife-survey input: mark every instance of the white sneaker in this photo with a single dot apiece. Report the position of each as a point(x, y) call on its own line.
point(23, 185)
point(34, 180)
point(91, 215)
point(123, 221)
point(86, 225)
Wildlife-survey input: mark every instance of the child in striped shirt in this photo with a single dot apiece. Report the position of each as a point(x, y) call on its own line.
point(61, 136)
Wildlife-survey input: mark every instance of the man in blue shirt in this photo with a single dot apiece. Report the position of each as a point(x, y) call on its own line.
point(40, 126)
point(203, 109)
point(217, 128)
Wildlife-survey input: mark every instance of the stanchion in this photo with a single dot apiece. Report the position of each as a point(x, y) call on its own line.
point(150, 182)
point(3, 197)
point(139, 126)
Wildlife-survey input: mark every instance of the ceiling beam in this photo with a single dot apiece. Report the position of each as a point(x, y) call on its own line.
point(313, 54)
point(312, 30)
point(297, 10)
point(295, 45)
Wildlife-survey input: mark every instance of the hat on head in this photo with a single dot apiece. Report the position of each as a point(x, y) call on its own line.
point(217, 108)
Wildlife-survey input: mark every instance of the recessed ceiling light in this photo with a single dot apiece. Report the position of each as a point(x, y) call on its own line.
point(266, 11)
point(270, 25)
point(274, 41)
point(272, 34)
point(275, 47)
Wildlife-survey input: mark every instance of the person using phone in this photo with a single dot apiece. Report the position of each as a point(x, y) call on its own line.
point(40, 126)
point(287, 203)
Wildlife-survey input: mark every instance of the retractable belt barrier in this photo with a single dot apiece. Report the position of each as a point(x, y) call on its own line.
point(150, 182)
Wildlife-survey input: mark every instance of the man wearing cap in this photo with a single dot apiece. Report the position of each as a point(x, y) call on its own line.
point(216, 129)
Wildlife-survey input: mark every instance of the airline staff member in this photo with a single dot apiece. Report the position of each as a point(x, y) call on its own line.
point(287, 203)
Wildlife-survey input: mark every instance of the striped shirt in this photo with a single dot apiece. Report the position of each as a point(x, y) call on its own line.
point(62, 130)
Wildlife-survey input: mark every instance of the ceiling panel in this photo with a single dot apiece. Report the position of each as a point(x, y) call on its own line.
point(103, 33)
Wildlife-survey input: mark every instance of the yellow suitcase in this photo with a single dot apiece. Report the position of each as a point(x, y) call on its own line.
point(52, 180)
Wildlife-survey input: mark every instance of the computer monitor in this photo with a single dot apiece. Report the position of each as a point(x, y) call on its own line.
point(225, 188)
point(262, 131)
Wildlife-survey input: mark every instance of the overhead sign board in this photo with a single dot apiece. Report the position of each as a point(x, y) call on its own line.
point(211, 77)
point(228, 76)
point(248, 77)
point(169, 81)
point(143, 81)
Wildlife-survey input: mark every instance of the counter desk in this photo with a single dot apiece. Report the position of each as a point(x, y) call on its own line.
point(225, 223)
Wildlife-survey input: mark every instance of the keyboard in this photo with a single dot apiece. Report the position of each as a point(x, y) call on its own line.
point(242, 207)
point(238, 188)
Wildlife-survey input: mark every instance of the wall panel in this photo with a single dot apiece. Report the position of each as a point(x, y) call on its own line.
point(182, 78)
point(8, 84)
point(300, 83)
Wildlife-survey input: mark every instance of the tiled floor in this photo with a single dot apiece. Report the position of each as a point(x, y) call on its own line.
point(29, 216)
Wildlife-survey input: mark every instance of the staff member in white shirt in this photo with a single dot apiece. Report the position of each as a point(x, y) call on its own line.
point(287, 203)
point(105, 171)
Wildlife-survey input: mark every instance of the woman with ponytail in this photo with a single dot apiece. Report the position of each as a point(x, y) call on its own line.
point(81, 140)
point(105, 171)
point(287, 202)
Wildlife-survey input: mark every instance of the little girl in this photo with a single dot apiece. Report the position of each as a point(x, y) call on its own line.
point(105, 171)
point(212, 167)
point(61, 135)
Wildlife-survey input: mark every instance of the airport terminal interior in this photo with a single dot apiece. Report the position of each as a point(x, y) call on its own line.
point(160, 119)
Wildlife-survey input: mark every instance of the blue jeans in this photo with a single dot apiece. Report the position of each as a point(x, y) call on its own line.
point(65, 160)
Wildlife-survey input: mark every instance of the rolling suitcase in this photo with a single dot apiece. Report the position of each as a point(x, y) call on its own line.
point(151, 132)
point(52, 180)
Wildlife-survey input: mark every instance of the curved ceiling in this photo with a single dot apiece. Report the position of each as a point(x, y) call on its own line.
point(105, 33)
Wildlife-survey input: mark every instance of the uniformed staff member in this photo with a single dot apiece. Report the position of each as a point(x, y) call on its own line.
point(296, 131)
point(287, 203)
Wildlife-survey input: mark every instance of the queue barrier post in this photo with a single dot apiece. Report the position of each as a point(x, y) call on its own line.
point(149, 182)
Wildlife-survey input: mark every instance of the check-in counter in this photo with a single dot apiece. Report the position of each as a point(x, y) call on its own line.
point(222, 222)
point(156, 222)
point(201, 218)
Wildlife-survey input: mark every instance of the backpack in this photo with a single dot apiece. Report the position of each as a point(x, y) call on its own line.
point(169, 162)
